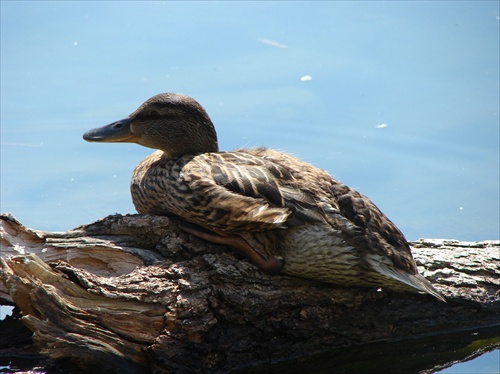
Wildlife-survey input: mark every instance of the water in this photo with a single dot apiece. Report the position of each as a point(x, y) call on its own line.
point(397, 99)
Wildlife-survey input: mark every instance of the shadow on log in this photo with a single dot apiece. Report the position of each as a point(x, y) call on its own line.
point(135, 294)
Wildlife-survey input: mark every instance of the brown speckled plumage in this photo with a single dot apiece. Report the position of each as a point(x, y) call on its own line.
point(284, 214)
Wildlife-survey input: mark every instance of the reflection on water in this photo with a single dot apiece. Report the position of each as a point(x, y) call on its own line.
point(423, 355)
point(397, 99)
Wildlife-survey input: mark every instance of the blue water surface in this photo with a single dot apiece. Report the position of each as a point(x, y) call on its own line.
point(397, 99)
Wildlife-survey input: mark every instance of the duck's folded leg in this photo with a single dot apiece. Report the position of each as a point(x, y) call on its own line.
point(270, 265)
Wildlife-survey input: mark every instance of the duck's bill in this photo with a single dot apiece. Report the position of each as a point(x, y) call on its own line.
point(118, 131)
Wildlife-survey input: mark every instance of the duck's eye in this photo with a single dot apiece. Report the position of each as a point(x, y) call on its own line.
point(154, 114)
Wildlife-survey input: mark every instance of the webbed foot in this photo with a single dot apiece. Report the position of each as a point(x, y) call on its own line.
point(270, 265)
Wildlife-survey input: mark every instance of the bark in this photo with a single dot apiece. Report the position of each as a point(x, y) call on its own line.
point(135, 294)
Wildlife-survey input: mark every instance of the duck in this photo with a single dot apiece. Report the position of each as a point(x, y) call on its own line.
point(284, 215)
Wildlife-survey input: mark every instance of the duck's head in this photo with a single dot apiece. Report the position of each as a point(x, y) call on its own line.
point(173, 123)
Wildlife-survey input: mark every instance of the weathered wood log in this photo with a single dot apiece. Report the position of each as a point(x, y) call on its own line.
point(136, 294)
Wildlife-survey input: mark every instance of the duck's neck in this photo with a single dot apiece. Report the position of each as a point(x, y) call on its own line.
point(202, 139)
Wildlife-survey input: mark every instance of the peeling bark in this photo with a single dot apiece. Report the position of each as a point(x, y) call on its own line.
point(135, 294)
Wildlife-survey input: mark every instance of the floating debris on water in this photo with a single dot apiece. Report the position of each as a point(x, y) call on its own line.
point(272, 43)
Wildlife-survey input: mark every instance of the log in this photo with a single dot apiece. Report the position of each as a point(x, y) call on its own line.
point(135, 294)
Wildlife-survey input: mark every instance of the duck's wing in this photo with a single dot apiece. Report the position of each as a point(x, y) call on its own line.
point(238, 192)
point(373, 226)
point(234, 191)
point(352, 214)
point(389, 253)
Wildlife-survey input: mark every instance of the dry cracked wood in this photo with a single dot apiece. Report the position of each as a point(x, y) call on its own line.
point(135, 294)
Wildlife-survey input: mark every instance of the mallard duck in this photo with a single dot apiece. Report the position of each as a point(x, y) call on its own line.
point(283, 214)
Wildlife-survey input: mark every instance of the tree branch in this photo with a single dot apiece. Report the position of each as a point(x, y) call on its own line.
point(136, 294)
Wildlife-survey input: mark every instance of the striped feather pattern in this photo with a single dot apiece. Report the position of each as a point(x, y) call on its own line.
point(281, 206)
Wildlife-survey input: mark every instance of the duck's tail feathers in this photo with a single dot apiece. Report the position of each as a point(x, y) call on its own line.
point(416, 281)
